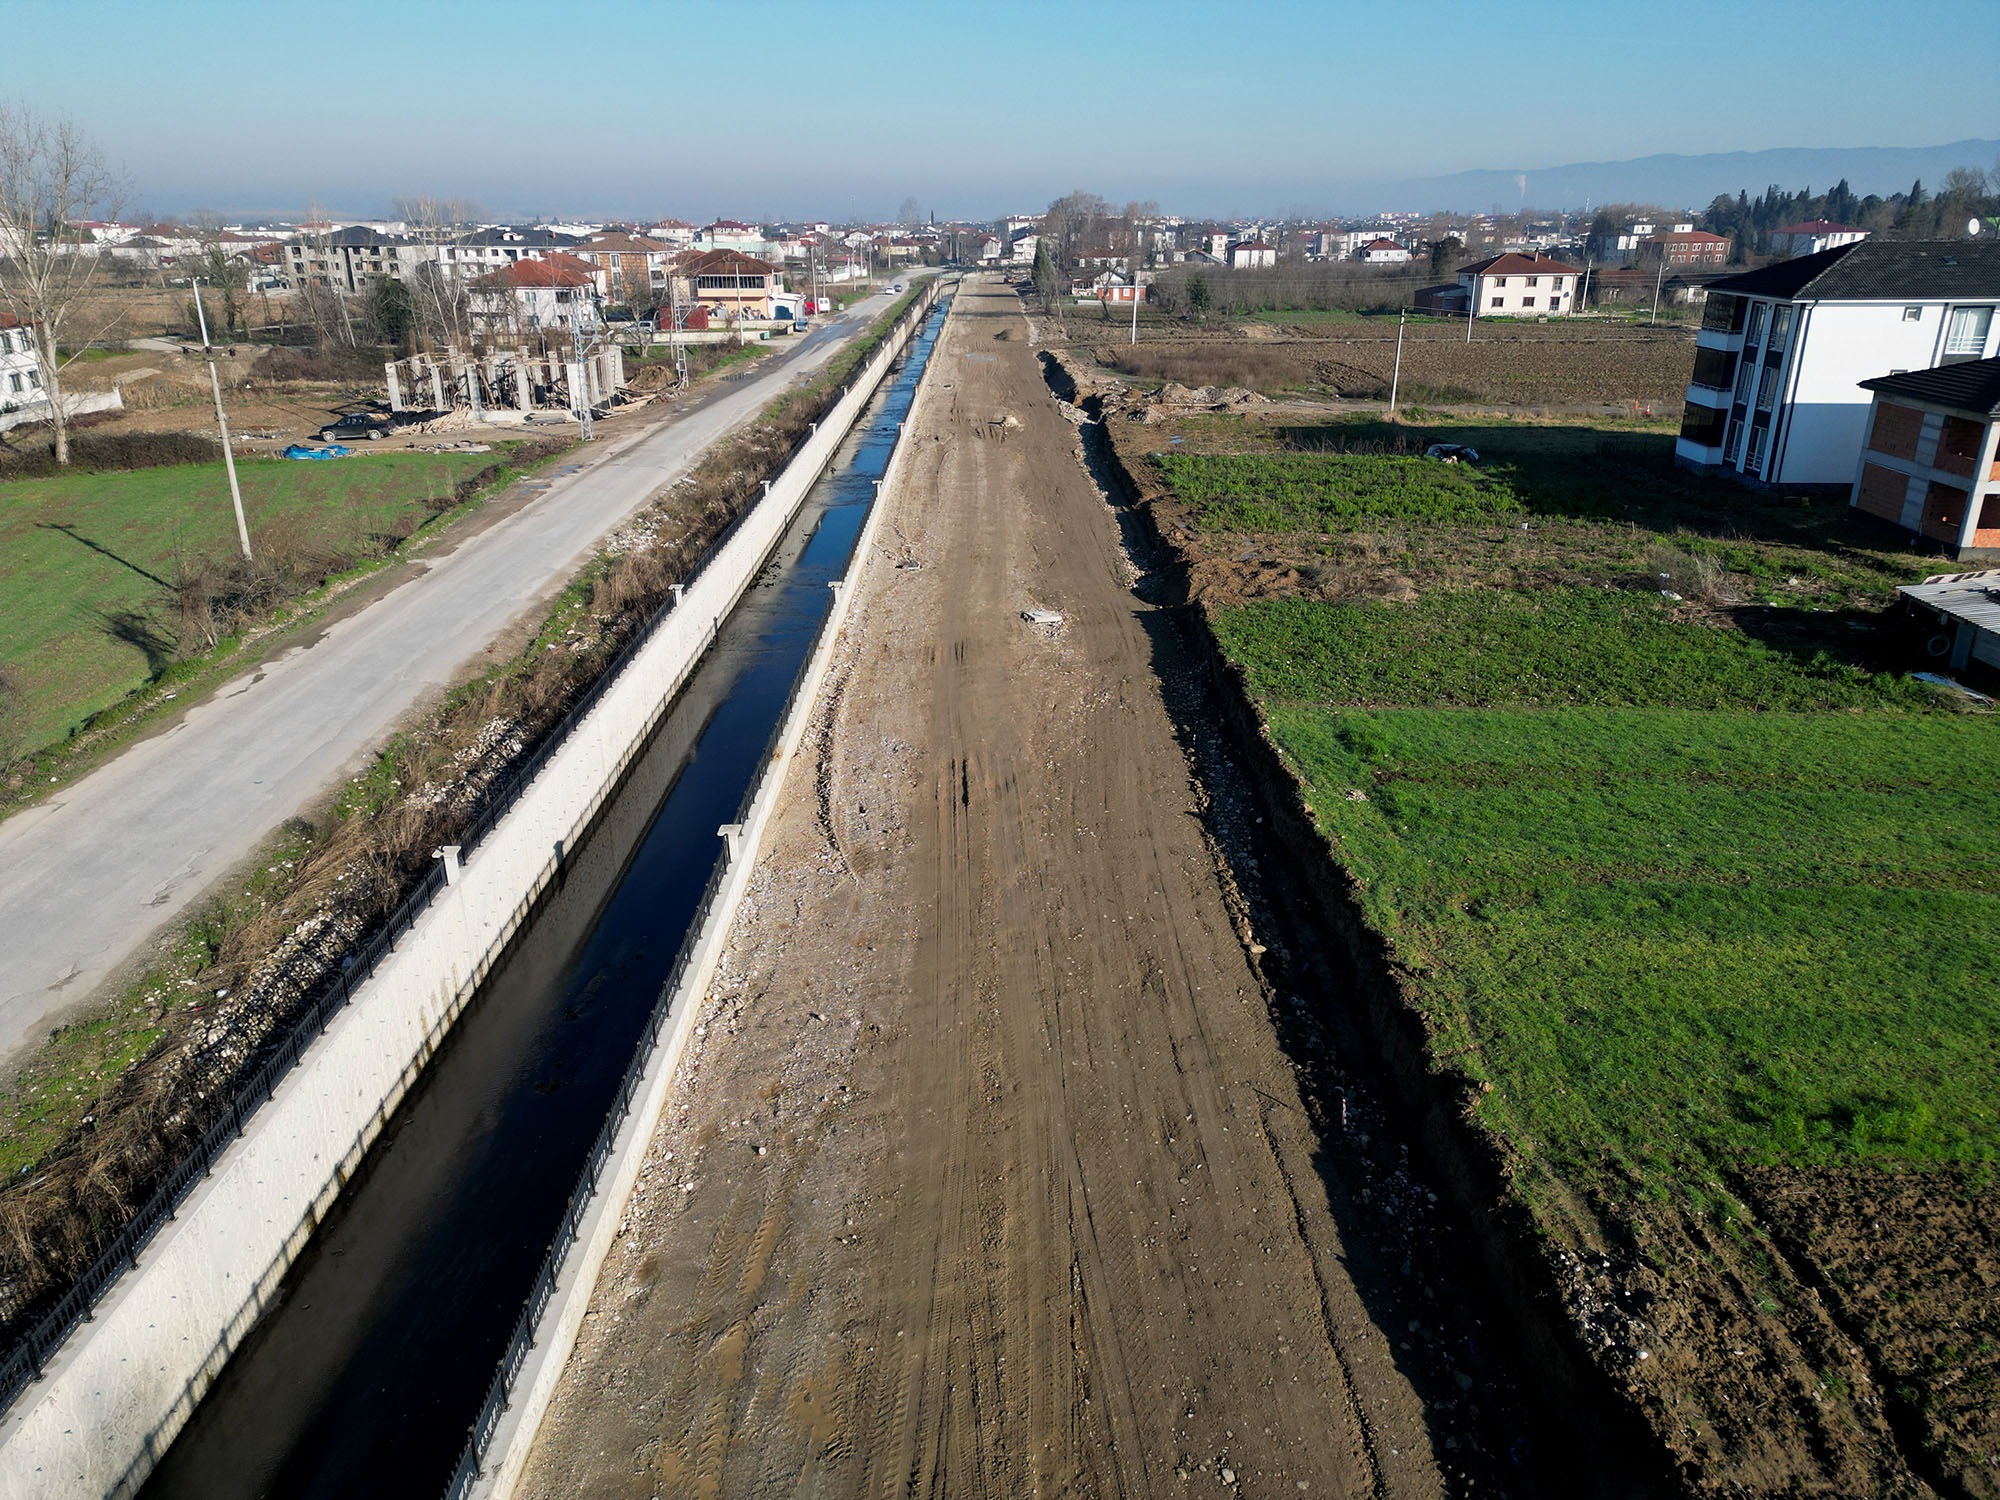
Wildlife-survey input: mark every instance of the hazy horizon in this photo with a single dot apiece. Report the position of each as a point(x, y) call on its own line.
point(843, 113)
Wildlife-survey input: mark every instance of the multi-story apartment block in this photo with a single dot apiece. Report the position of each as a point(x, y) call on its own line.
point(1776, 394)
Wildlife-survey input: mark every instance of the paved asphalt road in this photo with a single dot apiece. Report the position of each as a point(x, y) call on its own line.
point(89, 876)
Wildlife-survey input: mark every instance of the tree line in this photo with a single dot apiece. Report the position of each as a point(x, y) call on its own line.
point(1965, 193)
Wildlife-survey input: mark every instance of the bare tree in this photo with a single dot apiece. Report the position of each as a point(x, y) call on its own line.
point(439, 295)
point(325, 303)
point(52, 177)
point(221, 267)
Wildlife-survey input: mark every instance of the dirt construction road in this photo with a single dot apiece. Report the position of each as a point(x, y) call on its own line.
point(987, 1175)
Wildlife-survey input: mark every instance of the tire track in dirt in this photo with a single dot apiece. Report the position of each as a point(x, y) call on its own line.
point(1028, 1227)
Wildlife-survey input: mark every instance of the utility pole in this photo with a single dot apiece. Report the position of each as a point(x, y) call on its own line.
point(1659, 279)
point(1396, 378)
point(1471, 302)
point(222, 424)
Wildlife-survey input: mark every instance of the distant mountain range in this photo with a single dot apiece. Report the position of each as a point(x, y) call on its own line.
point(1674, 181)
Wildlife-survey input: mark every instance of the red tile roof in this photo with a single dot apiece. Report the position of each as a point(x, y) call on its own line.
point(721, 263)
point(554, 270)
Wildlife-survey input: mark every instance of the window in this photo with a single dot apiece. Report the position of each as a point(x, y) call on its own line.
point(1702, 425)
point(1499, 280)
point(1534, 281)
point(35, 379)
point(1767, 388)
point(1735, 443)
point(14, 381)
point(1746, 373)
point(1714, 368)
point(1965, 331)
point(1527, 302)
point(1756, 330)
point(1781, 327)
point(1499, 302)
point(1756, 462)
point(1912, 314)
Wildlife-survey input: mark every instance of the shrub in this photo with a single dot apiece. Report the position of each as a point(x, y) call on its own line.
point(106, 452)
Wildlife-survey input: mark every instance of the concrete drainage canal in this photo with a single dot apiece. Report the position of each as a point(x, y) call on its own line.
point(365, 1373)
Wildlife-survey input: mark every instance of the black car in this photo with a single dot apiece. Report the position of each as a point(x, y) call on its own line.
point(373, 425)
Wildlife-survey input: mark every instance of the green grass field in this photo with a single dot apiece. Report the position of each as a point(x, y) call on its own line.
point(1676, 941)
point(1688, 886)
point(86, 593)
point(1314, 491)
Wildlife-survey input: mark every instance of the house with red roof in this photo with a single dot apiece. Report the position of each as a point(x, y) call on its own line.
point(1514, 285)
point(1383, 252)
point(558, 291)
point(732, 285)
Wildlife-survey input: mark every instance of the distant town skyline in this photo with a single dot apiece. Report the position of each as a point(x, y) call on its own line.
point(845, 112)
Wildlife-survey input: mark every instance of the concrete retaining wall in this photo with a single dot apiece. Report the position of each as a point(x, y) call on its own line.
point(113, 1398)
point(75, 403)
point(555, 1334)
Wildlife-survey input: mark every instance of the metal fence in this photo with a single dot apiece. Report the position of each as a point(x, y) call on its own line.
point(25, 1361)
point(500, 1393)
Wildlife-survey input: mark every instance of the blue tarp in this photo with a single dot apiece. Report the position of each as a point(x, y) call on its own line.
point(332, 450)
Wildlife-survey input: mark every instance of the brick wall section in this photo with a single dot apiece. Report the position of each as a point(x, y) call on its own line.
point(1882, 492)
point(1896, 430)
point(1944, 511)
point(1958, 446)
point(1987, 534)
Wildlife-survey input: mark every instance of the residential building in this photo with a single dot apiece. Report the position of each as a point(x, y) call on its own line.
point(1251, 255)
point(1814, 236)
point(1690, 247)
point(1931, 462)
point(555, 292)
point(731, 234)
point(1776, 394)
point(1022, 250)
point(632, 263)
point(1110, 287)
point(676, 232)
point(349, 260)
point(1382, 253)
point(989, 250)
point(488, 249)
point(1513, 285)
point(20, 372)
point(732, 285)
point(1634, 237)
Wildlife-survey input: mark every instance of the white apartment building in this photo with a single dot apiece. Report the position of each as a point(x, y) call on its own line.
point(1776, 395)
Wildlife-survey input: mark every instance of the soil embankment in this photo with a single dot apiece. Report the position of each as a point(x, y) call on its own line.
point(995, 1168)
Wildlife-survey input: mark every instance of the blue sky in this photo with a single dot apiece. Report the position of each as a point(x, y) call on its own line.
point(775, 109)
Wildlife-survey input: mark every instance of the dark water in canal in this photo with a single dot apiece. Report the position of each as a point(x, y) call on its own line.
point(369, 1366)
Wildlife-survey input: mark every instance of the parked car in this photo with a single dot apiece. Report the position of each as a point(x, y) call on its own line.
point(373, 425)
point(800, 325)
